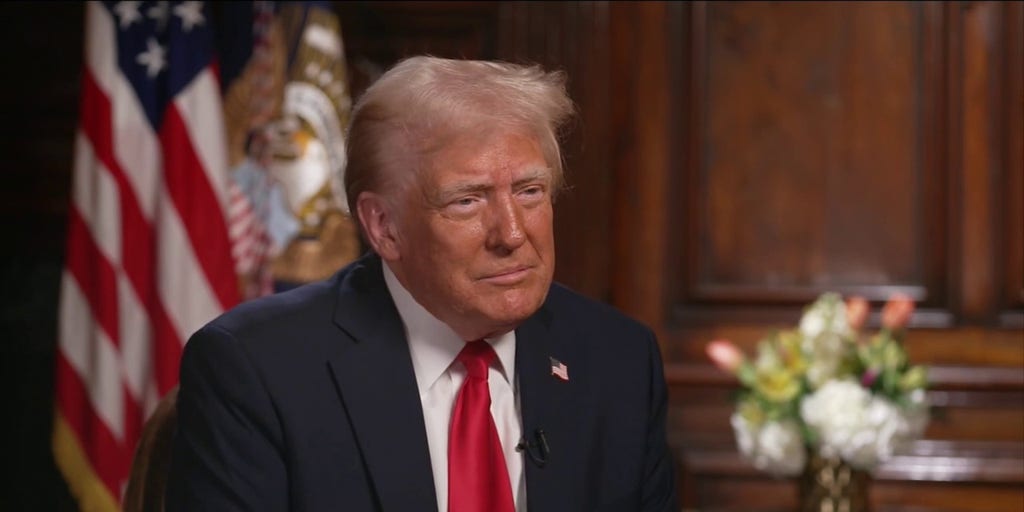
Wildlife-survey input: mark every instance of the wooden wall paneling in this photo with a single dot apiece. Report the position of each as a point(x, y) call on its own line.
point(883, 201)
point(809, 169)
point(978, 68)
point(642, 89)
point(909, 496)
point(866, 102)
point(379, 34)
point(728, 484)
point(964, 346)
point(1012, 212)
point(685, 55)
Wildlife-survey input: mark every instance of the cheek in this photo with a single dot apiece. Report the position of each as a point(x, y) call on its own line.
point(456, 240)
point(539, 226)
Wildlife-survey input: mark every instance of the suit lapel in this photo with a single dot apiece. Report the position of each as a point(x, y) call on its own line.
point(377, 384)
point(555, 406)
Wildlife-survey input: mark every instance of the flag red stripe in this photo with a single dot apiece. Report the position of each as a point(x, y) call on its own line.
point(198, 208)
point(110, 459)
point(94, 274)
point(138, 246)
point(137, 237)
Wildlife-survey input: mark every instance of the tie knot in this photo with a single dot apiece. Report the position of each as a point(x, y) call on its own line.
point(477, 357)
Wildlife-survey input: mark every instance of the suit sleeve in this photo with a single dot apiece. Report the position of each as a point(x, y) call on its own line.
point(659, 483)
point(227, 452)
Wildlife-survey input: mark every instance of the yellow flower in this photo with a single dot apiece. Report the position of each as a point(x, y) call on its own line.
point(792, 356)
point(915, 378)
point(777, 385)
point(751, 411)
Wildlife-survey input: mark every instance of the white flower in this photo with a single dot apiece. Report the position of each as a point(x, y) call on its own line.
point(775, 447)
point(826, 354)
point(825, 315)
point(835, 411)
point(860, 428)
point(826, 338)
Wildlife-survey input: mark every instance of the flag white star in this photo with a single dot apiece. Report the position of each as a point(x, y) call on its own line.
point(128, 13)
point(191, 14)
point(160, 12)
point(154, 58)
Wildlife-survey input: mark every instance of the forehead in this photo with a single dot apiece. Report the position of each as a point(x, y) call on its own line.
point(488, 154)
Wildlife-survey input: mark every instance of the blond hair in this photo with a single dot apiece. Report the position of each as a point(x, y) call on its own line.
point(424, 103)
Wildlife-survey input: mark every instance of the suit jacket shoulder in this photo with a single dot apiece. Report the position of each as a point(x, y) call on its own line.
point(590, 314)
point(603, 418)
point(302, 400)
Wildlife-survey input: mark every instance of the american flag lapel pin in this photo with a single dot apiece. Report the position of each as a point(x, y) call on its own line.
point(559, 369)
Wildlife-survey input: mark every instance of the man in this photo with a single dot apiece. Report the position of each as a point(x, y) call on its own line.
point(443, 371)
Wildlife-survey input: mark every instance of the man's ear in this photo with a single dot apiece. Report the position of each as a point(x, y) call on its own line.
point(378, 220)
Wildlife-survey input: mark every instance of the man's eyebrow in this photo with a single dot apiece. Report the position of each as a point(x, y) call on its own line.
point(463, 188)
point(536, 174)
point(468, 187)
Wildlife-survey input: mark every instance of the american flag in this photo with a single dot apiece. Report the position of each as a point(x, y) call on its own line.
point(148, 257)
point(559, 369)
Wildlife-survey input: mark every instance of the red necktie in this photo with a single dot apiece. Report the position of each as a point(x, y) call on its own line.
point(477, 475)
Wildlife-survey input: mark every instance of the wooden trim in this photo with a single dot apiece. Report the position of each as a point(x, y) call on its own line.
point(641, 163)
point(1011, 252)
point(686, 299)
point(940, 377)
point(925, 461)
point(979, 101)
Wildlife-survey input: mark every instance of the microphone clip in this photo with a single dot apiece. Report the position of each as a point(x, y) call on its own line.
point(537, 450)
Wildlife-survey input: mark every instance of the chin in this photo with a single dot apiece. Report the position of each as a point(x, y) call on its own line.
point(518, 306)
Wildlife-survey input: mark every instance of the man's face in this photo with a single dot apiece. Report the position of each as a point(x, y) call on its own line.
point(474, 234)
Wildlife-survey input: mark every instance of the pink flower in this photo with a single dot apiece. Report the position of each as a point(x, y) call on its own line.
point(897, 311)
point(868, 379)
point(856, 312)
point(725, 354)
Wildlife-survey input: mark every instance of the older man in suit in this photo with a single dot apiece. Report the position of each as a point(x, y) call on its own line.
point(444, 370)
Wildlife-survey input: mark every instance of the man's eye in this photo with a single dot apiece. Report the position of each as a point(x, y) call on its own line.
point(463, 204)
point(533, 191)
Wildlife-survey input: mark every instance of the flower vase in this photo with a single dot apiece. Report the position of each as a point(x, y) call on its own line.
point(829, 484)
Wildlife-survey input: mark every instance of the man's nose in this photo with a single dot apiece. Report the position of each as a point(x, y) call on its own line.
point(506, 226)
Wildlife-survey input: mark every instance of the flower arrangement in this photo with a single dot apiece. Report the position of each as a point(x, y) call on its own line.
point(829, 387)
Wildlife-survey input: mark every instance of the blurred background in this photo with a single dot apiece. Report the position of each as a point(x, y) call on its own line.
point(731, 161)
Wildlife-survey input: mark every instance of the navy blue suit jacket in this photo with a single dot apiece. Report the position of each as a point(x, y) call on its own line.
point(307, 400)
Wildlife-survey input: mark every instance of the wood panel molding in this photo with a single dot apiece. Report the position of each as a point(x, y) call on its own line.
point(720, 264)
point(641, 153)
point(1011, 213)
point(940, 377)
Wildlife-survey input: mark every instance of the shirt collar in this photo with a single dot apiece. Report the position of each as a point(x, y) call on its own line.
point(433, 344)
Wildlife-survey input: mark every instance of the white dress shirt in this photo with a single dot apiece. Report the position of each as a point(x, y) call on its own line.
point(439, 376)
